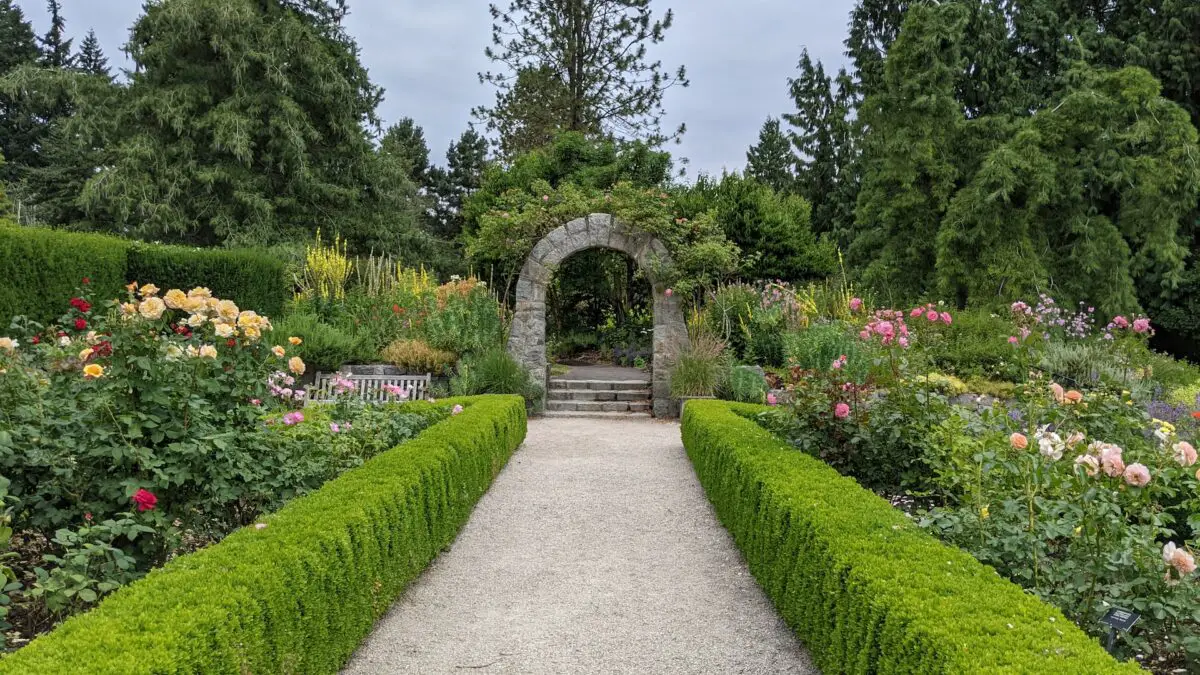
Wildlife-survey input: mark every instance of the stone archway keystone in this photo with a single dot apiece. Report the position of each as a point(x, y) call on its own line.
point(527, 339)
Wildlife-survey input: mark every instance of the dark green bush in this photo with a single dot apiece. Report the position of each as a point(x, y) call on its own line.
point(494, 372)
point(253, 279)
point(976, 345)
point(861, 585)
point(40, 270)
point(325, 348)
point(300, 594)
point(744, 385)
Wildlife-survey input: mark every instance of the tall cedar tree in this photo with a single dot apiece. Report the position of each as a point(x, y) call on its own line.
point(244, 124)
point(466, 161)
point(577, 65)
point(771, 161)
point(91, 59)
point(19, 127)
point(909, 174)
point(56, 47)
point(874, 26)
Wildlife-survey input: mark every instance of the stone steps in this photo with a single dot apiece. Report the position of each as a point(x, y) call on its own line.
point(598, 398)
point(597, 415)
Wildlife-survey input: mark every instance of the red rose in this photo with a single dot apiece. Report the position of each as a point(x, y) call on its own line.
point(62, 333)
point(144, 499)
point(80, 324)
point(86, 281)
point(37, 339)
point(231, 343)
point(87, 517)
point(395, 309)
point(103, 348)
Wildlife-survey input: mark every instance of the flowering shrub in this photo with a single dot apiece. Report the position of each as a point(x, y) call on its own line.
point(1085, 501)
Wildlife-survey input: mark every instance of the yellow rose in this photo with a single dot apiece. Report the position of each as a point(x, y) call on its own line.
point(174, 352)
point(227, 310)
point(295, 341)
point(194, 305)
point(248, 318)
point(278, 351)
point(197, 320)
point(152, 308)
point(224, 330)
point(175, 299)
point(8, 344)
point(212, 303)
point(208, 352)
point(252, 333)
point(192, 351)
point(83, 355)
point(131, 286)
point(129, 308)
point(149, 290)
point(200, 293)
point(93, 371)
point(296, 365)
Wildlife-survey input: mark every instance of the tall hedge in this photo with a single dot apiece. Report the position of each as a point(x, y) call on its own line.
point(254, 279)
point(864, 588)
point(299, 595)
point(40, 269)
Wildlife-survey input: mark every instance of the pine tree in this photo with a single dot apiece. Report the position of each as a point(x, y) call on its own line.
point(771, 162)
point(56, 47)
point(466, 161)
point(874, 26)
point(91, 59)
point(243, 123)
point(19, 127)
point(813, 127)
point(583, 62)
point(406, 141)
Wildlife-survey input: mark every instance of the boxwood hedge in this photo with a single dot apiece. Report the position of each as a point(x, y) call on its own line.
point(864, 589)
point(299, 595)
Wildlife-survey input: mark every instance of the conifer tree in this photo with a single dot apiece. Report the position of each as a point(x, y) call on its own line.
point(813, 126)
point(578, 65)
point(406, 141)
point(466, 161)
point(56, 46)
point(19, 127)
point(771, 161)
point(91, 59)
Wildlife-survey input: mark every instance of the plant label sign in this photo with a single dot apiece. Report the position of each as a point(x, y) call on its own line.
point(1120, 619)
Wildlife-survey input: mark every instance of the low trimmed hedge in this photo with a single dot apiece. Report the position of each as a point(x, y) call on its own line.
point(300, 595)
point(864, 588)
point(40, 269)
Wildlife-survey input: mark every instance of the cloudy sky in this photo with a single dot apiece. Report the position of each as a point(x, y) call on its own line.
point(426, 54)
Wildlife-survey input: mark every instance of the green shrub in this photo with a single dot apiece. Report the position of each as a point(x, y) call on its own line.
point(727, 311)
point(976, 345)
point(300, 594)
point(861, 585)
point(702, 369)
point(744, 385)
point(817, 347)
point(325, 347)
point(494, 372)
point(40, 270)
point(253, 279)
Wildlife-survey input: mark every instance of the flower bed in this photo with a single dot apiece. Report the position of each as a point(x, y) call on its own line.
point(861, 585)
point(298, 591)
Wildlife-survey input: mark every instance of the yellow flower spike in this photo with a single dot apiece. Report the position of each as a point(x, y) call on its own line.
point(983, 512)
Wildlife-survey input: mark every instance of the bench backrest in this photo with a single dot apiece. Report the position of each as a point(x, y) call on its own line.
point(369, 388)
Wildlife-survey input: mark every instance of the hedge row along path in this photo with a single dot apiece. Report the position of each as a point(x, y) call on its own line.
point(594, 551)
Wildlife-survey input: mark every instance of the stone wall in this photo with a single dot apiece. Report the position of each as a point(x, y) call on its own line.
point(527, 339)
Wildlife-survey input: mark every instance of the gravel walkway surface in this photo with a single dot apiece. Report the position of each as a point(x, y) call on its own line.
point(595, 551)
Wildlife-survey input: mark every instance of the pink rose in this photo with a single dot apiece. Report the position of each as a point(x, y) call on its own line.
point(1120, 322)
point(1141, 326)
point(841, 411)
point(1058, 392)
point(1137, 475)
point(931, 315)
point(1185, 454)
point(946, 318)
point(1179, 558)
point(1018, 441)
point(772, 399)
point(856, 304)
point(669, 293)
point(1012, 340)
point(917, 311)
point(1090, 464)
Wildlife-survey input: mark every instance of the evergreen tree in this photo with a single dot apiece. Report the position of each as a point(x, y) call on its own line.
point(838, 206)
point(814, 125)
point(91, 59)
point(909, 174)
point(462, 177)
point(578, 65)
point(874, 26)
point(5, 206)
point(56, 47)
point(771, 162)
point(19, 127)
point(243, 123)
point(406, 141)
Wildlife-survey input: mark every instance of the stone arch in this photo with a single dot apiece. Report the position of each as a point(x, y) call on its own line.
point(527, 339)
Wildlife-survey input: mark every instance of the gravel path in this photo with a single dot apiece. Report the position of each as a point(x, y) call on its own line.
point(595, 551)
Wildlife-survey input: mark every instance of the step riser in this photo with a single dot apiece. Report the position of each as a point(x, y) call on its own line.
point(598, 385)
point(597, 415)
point(595, 395)
point(598, 406)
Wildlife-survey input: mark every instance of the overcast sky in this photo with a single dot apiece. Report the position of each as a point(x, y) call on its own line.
point(426, 54)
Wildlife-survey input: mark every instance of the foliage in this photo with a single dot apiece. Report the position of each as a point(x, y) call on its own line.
point(325, 347)
point(814, 539)
point(974, 347)
point(90, 566)
point(702, 368)
point(771, 161)
point(570, 69)
point(417, 356)
point(253, 278)
point(91, 59)
point(326, 271)
point(466, 162)
point(19, 131)
point(344, 553)
point(494, 372)
point(405, 141)
point(463, 317)
point(744, 384)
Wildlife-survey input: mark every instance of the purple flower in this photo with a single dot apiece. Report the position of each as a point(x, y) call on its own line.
point(457, 409)
point(333, 426)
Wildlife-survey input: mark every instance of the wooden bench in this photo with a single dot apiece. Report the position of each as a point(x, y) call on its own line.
point(369, 388)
